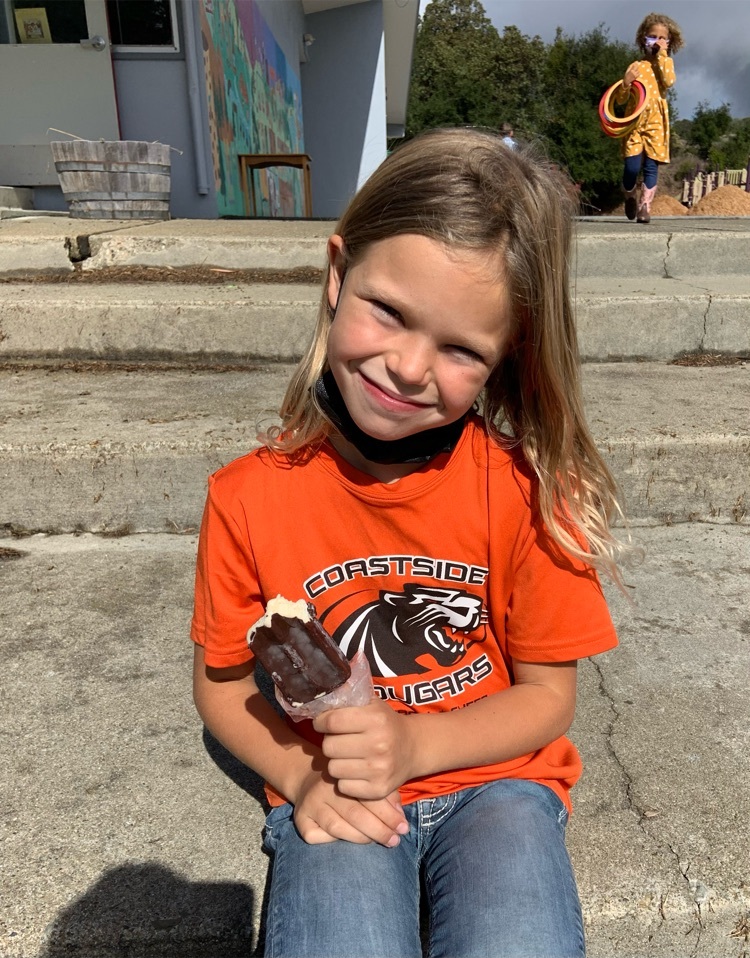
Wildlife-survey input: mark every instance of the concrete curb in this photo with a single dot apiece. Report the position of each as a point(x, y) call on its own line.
point(130, 451)
point(668, 247)
point(153, 321)
point(656, 319)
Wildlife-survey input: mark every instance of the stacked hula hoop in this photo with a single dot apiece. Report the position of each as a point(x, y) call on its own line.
point(620, 126)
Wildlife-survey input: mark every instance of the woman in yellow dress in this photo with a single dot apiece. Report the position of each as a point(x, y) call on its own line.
point(647, 146)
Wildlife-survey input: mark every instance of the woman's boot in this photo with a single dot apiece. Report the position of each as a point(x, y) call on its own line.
point(644, 210)
point(631, 203)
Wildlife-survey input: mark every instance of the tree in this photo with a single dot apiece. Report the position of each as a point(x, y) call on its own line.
point(518, 80)
point(465, 73)
point(708, 126)
point(578, 70)
point(455, 56)
point(735, 146)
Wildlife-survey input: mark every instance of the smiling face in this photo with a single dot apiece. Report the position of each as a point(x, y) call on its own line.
point(418, 329)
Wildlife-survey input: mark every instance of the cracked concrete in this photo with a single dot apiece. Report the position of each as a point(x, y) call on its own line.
point(110, 755)
point(668, 248)
point(610, 732)
point(705, 323)
point(666, 257)
point(642, 815)
point(671, 750)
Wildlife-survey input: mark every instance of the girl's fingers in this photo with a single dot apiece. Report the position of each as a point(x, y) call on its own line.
point(313, 834)
point(362, 779)
point(342, 721)
point(389, 811)
point(354, 822)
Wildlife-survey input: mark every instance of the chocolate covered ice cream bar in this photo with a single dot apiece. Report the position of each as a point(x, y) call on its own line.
point(297, 652)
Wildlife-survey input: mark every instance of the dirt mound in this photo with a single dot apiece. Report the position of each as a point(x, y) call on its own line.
point(667, 206)
point(726, 201)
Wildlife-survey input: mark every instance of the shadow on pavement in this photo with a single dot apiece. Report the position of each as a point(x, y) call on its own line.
point(146, 910)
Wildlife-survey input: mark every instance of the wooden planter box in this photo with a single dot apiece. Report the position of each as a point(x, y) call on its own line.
point(114, 179)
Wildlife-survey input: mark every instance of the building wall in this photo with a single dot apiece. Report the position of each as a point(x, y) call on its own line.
point(245, 98)
point(154, 104)
point(237, 85)
point(254, 101)
point(343, 84)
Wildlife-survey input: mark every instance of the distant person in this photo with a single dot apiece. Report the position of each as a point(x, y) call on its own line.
point(648, 145)
point(433, 487)
point(506, 131)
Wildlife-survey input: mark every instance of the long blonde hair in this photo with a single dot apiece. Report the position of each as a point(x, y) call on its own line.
point(466, 189)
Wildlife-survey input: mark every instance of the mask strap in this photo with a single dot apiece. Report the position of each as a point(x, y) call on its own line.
point(421, 447)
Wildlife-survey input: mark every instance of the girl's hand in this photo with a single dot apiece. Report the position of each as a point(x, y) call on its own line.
point(369, 749)
point(322, 814)
point(239, 716)
point(631, 74)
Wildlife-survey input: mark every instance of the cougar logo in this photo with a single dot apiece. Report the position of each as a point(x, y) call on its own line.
point(400, 627)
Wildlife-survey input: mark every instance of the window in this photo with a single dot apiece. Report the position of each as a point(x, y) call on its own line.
point(142, 24)
point(37, 21)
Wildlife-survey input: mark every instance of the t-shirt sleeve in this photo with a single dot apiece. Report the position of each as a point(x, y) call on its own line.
point(227, 595)
point(557, 611)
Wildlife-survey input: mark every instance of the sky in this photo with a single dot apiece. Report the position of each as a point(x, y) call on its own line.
point(713, 66)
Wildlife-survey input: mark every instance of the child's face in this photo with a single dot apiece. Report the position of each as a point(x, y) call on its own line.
point(417, 331)
point(658, 36)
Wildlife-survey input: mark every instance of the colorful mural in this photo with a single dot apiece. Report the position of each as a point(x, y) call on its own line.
point(254, 104)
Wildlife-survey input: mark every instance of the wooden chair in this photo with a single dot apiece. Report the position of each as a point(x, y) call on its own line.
point(262, 161)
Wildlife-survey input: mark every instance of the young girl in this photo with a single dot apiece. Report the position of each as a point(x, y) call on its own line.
point(435, 492)
point(648, 145)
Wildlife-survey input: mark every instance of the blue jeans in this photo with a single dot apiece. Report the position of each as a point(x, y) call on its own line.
point(633, 167)
point(497, 880)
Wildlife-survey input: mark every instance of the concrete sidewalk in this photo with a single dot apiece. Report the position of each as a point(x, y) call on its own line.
point(126, 831)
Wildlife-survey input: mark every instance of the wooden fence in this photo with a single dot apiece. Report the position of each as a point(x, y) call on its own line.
point(699, 184)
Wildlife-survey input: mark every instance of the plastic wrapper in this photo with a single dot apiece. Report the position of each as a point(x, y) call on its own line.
point(357, 690)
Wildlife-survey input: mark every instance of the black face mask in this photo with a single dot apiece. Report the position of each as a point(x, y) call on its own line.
point(421, 447)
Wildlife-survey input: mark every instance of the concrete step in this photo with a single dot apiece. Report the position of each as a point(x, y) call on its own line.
point(669, 247)
point(618, 319)
point(675, 247)
point(662, 319)
point(55, 244)
point(22, 214)
point(126, 830)
point(157, 321)
point(125, 450)
point(16, 198)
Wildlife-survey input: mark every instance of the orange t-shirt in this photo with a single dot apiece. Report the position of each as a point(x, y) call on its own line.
point(440, 578)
